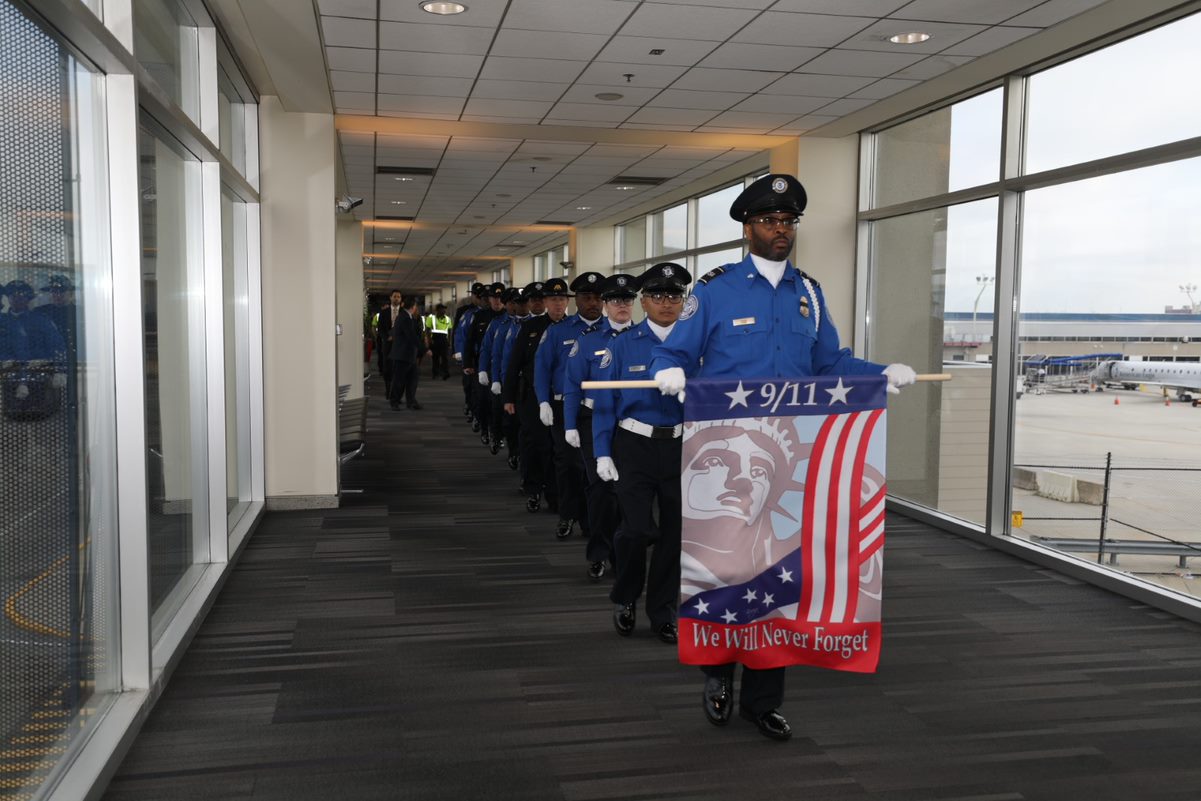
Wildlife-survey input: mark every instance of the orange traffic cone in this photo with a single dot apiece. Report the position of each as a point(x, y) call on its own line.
point(1167, 401)
point(1116, 402)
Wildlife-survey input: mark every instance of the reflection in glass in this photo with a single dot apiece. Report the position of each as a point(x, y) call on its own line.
point(671, 230)
point(1094, 290)
point(237, 357)
point(58, 633)
point(714, 224)
point(231, 116)
point(165, 44)
point(1071, 107)
point(633, 240)
point(173, 310)
point(925, 270)
point(953, 148)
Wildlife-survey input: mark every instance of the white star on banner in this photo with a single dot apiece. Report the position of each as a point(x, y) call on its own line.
point(729, 616)
point(768, 599)
point(750, 595)
point(839, 393)
point(702, 606)
point(785, 576)
point(738, 396)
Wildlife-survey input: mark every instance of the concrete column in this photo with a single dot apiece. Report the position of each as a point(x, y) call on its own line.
point(298, 253)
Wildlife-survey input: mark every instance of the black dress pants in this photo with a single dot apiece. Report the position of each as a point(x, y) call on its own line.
point(438, 349)
point(761, 691)
point(403, 382)
point(604, 514)
point(537, 468)
point(648, 470)
point(569, 473)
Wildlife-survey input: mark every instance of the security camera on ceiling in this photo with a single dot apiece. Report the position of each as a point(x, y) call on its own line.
point(345, 203)
point(567, 265)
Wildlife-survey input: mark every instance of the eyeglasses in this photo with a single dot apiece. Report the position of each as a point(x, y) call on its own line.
point(620, 301)
point(666, 297)
point(775, 222)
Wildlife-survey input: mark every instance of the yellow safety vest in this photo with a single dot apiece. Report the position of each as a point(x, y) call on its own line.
point(437, 325)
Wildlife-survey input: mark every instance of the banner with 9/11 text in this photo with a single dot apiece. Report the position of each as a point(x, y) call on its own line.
point(782, 483)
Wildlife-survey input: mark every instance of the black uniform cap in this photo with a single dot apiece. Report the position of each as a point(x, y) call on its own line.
point(496, 290)
point(555, 288)
point(619, 286)
point(511, 294)
point(18, 287)
point(533, 290)
point(771, 193)
point(587, 282)
point(58, 282)
point(666, 276)
point(478, 289)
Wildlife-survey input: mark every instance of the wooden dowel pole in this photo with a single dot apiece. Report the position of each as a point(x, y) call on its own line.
point(648, 384)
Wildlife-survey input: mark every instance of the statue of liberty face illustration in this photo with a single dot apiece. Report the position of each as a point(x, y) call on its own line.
point(729, 477)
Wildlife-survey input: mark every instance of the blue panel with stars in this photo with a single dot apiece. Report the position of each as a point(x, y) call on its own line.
point(783, 397)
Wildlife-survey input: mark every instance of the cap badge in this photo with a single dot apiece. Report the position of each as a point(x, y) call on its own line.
point(804, 308)
point(621, 280)
point(779, 186)
point(592, 279)
point(668, 272)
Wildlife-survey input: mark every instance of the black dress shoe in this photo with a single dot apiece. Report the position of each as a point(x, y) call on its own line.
point(771, 724)
point(596, 571)
point(494, 448)
point(532, 504)
point(512, 461)
point(475, 426)
point(624, 618)
point(415, 406)
point(667, 633)
point(563, 529)
point(717, 700)
point(395, 407)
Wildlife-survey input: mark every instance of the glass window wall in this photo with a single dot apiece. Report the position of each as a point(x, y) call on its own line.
point(670, 230)
point(237, 357)
point(714, 224)
point(231, 117)
point(166, 45)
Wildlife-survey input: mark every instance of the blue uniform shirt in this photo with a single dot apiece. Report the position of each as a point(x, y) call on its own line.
point(42, 339)
point(550, 362)
point(507, 347)
point(585, 355)
point(628, 358)
point(489, 344)
point(463, 328)
point(743, 328)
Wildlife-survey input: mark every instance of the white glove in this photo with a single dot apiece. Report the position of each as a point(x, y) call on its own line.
point(899, 375)
point(58, 380)
point(458, 357)
point(573, 437)
point(671, 382)
point(21, 392)
point(605, 469)
point(483, 378)
point(546, 414)
point(495, 387)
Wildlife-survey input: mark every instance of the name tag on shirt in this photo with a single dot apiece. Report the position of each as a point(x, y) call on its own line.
point(569, 342)
point(598, 353)
point(744, 321)
point(637, 368)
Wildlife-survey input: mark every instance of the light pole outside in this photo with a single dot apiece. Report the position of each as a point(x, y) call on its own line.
point(983, 281)
point(1188, 290)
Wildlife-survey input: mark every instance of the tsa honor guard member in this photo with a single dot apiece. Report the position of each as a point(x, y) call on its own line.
point(636, 436)
point(761, 317)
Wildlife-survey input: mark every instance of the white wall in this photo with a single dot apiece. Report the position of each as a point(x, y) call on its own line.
point(299, 371)
point(351, 294)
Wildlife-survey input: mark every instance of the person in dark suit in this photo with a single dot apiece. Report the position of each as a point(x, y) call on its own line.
point(405, 347)
point(387, 318)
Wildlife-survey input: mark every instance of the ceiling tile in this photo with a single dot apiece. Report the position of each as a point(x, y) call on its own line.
point(885, 87)
point(725, 80)
point(568, 121)
point(424, 85)
point(596, 111)
point(700, 22)
point(365, 9)
point(942, 35)
point(1052, 12)
point(672, 116)
point(858, 8)
point(421, 103)
point(359, 100)
point(422, 114)
point(352, 81)
point(645, 75)
point(434, 38)
point(622, 151)
point(517, 90)
point(595, 16)
point(354, 59)
point(781, 104)
point(460, 145)
point(343, 32)
point(506, 108)
point(749, 120)
point(860, 62)
point(992, 39)
point(637, 50)
point(988, 12)
point(396, 62)
point(932, 66)
point(356, 139)
point(743, 55)
point(568, 46)
point(531, 69)
point(753, 4)
point(412, 142)
point(810, 30)
point(482, 13)
point(845, 106)
point(808, 85)
point(586, 93)
point(681, 98)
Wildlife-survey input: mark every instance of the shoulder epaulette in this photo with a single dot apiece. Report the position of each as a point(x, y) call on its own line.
point(709, 276)
point(812, 280)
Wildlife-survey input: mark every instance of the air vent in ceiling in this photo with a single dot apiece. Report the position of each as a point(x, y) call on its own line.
point(393, 217)
point(384, 170)
point(555, 222)
point(636, 180)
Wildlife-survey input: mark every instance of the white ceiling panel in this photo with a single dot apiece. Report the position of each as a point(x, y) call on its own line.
point(746, 56)
point(395, 62)
point(517, 90)
point(699, 22)
point(434, 38)
point(682, 98)
point(781, 104)
point(644, 75)
point(637, 50)
point(353, 59)
point(475, 144)
point(506, 108)
point(992, 39)
point(942, 35)
point(342, 81)
point(503, 120)
point(808, 85)
point(885, 87)
point(860, 62)
point(425, 115)
point(1052, 12)
point(858, 8)
point(725, 80)
point(412, 142)
point(548, 147)
point(752, 4)
point(364, 9)
point(344, 32)
point(809, 30)
point(355, 139)
point(749, 120)
point(672, 116)
point(845, 106)
point(932, 66)
point(989, 12)
point(531, 69)
point(551, 119)
point(482, 13)
point(361, 100)
point(424, 85)
point(568, 46)
point(622, 151)
point(598, 16)
point(596, 112)
point(429, 104)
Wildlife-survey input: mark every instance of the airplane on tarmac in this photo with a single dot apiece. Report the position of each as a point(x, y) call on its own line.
point(1184, 377)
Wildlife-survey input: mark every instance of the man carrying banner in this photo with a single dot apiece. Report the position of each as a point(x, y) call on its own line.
point(758, 318)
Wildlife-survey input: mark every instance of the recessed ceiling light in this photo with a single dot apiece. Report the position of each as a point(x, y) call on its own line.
point(914, 37)
point(443, 8)
point(583, 208)
point(402, 178)
point(623, 188)
point(398, 203)
point(608, 96)
point(504, 195)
